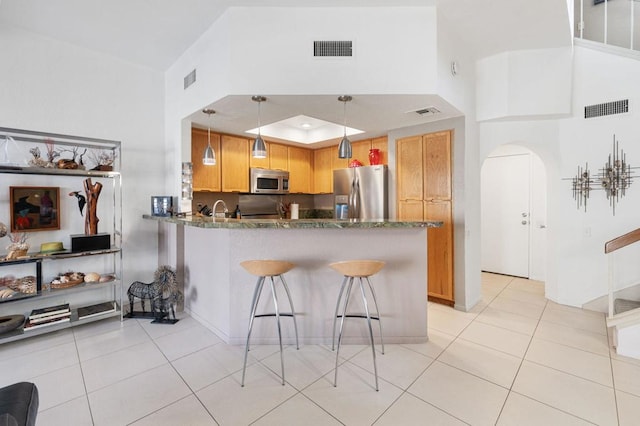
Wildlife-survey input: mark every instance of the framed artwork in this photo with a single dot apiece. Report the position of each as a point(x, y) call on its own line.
point(34, 208)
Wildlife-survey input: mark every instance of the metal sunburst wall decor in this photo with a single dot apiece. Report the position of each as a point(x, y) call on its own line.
point(614, 178)
point(581, 184)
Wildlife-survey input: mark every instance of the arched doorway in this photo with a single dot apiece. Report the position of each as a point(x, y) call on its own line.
point(513, 213)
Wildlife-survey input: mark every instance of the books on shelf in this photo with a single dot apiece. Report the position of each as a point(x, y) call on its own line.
point(97, 309)
point(50, 317)
point(49, 310)
point(53, 321)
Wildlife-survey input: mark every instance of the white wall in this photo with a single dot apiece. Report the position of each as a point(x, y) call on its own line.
point(56, 87)
point(524, 83)
point(576, 268)
point(269, 51)
point(459, 90)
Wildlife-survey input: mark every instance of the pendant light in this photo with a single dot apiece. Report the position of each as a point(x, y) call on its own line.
point(259, 149)
point(209, 157)
point(344, 149)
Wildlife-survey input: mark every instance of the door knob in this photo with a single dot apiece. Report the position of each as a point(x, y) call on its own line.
point(524, 215)
point(524, 222)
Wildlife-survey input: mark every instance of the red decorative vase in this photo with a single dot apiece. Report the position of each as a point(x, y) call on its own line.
point(374, 156)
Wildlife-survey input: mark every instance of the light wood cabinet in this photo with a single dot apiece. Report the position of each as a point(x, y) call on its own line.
point(205, 178)
point(337, 162)
point(234, 164)
point(440, 251)
point(322, 170)
point(437, 166)
point(360, 151)
point(299, 170)
point(424, 191)
point(278, 157)
point(411, 210)
point(410, 170)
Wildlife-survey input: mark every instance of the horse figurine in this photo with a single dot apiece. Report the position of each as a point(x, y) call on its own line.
point(165, 306)
point(164, 283)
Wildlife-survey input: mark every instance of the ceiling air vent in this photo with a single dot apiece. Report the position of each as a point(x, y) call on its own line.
point(332, 48)
point(609, 108)
point(428, 111)
point(189, 79)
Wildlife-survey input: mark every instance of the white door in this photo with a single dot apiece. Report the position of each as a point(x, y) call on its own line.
point(505, 187)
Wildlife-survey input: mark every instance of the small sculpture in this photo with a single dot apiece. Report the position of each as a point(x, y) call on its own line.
point(91, 219)
point(162, 293)
point(81, 200)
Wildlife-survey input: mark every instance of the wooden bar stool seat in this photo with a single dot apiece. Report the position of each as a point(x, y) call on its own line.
point(352, 269)
point(263, 269)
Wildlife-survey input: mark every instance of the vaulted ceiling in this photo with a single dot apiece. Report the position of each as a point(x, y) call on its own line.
point(154, 33)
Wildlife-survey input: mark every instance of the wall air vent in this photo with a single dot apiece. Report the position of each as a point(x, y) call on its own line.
point(189, 79)
point(428, 111)
point(609, 108)
point(332, 48)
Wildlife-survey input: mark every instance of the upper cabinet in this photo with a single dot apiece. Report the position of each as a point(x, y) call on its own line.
point(322, 170)
point(311, 171)
point(409, 168)
point(437, 166)
point(360, 151)
point(234, 164)
point(300, 160)
point(205, 178)
point(278, 157)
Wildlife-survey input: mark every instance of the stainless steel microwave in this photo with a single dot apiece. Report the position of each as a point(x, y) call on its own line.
point(267, 181)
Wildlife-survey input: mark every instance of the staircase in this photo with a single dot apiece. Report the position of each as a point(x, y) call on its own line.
point(624, 314)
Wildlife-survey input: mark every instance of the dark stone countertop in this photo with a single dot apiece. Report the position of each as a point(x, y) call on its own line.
point(220, 223)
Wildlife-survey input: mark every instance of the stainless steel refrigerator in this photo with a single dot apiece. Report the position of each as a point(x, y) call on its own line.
point(361, 193)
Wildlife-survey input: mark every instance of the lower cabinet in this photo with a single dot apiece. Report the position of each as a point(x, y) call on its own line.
point(440, 252)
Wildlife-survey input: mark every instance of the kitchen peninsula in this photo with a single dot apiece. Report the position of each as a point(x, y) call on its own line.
point(218, 290)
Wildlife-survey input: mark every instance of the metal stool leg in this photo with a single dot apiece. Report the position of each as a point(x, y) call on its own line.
point(254, 307)
point(275, 305)
point(293, 312)
point(373, 347)
point(335, 316)
point(375, 301)
point(344, 313)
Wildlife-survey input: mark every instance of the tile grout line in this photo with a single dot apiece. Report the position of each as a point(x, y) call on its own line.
point(84, 383)
point(180, 375)
point(613, 377)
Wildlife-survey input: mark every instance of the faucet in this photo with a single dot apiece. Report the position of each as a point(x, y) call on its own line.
point(215, 206)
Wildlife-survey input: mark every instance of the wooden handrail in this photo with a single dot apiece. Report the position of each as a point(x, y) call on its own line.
point(622, 241)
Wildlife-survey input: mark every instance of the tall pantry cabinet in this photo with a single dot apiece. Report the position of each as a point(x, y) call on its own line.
point(424, 193)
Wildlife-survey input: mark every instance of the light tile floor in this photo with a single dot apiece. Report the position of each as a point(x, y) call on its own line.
point(517, 359)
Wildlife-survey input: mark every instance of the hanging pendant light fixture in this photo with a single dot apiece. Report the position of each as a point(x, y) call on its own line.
point(259, 149)
point(344, 149)
point(209, 157)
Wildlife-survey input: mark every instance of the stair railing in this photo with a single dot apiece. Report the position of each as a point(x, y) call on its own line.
point(611, 246)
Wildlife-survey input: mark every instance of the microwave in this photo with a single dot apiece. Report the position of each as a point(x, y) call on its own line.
point(267, 181)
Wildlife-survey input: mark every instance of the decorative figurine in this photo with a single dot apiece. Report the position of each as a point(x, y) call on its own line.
point(162, 293)
point(91, 219)
point(81, 200)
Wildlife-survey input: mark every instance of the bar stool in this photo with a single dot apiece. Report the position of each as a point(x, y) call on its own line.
point(360, 269)
point(263, 269)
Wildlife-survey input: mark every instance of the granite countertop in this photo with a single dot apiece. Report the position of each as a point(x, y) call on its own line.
point(207, 222)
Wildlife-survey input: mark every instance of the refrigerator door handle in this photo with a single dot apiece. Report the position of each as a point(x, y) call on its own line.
point(354, 208)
